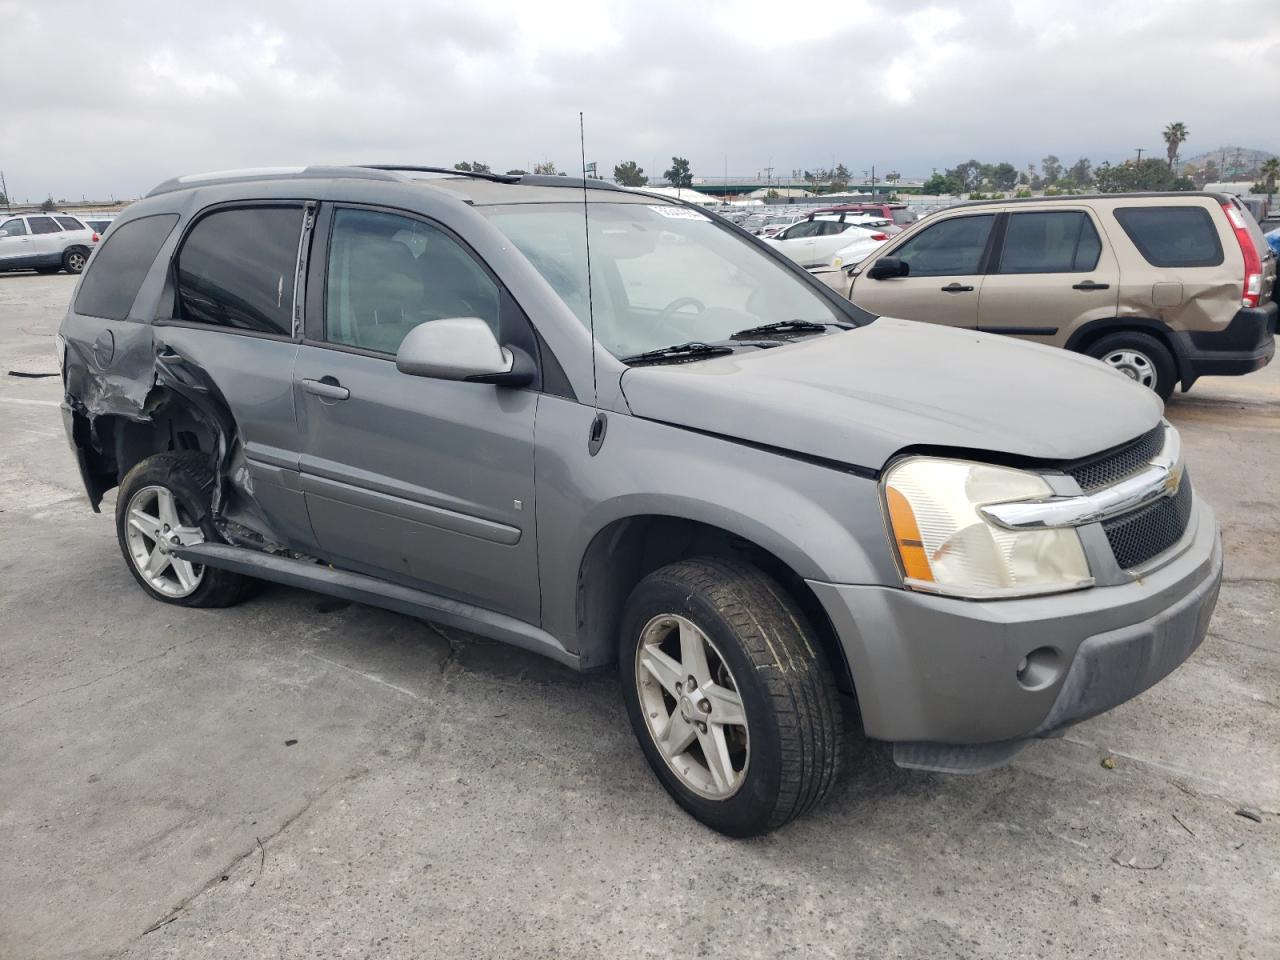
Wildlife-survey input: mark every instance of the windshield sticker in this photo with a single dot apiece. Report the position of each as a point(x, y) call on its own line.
point(678, 213)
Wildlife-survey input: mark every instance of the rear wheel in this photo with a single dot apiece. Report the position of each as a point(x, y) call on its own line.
point(730, 696)
point(1139, 356)
point(163, 503)
point(73, 260)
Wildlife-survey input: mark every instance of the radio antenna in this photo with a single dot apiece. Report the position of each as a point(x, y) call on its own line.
point(599, 422)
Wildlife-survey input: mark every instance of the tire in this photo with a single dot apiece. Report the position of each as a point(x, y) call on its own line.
point(188, 481)
point(789, 753)
point(1140, 356)
point(74, 259)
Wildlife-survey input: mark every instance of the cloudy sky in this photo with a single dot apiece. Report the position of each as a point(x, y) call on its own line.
point(108, 98)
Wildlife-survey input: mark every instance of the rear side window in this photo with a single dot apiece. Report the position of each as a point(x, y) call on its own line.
point(70, 223)
point(43, 225)
point(237, 269)
point(1057, 242)
point(1172, 236)
point(949, 248)
point(120, 265)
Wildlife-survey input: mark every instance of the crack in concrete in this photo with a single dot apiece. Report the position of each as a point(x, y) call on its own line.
point(89, 683)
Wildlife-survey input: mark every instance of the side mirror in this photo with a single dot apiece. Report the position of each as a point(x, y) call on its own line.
point(462, 348)
point(888, 267)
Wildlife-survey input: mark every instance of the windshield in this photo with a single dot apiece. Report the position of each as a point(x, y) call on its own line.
point(661, 274)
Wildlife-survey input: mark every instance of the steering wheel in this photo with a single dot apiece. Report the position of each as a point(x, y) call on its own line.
point(669, 311)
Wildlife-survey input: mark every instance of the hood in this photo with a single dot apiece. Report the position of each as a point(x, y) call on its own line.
point(861, 396)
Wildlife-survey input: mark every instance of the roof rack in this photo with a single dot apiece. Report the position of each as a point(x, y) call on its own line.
point(410, 168)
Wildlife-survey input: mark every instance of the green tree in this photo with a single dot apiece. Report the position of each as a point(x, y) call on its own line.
point(1175, 134)
point(1051, 167)
point(1270, 171)
point(839, 179)
point(517, 173)
point(1130, 176)
point(629, 174)
point(1080, 173)
point(967, 175)
point(679, 174)
point(1004, 176)
point(940, 184)
point(475, 166)
point(48, 205)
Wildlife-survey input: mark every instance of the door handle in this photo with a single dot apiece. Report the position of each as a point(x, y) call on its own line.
point(327, 387)
point(956, 288)
point(1090, 285)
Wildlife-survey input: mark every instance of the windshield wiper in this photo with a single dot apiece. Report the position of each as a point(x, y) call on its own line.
point(784, 326)
point(679, 351)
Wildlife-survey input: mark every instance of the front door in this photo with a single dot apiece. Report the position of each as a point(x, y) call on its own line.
point(427, 482)
point(945, 262)
point(1052, 275)
point(16, 246)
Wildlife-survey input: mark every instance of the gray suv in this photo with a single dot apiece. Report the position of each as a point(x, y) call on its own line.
point(666, 451)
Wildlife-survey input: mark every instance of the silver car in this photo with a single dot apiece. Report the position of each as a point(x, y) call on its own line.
point(45, 242)
point(768, 510)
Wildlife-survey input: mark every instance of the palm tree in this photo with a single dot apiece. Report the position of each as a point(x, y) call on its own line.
point(1174, 136)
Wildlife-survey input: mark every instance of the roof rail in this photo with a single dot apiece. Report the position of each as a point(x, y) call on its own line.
point(411, 168)
point(192, 180)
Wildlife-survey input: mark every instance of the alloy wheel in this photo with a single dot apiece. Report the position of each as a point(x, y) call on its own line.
point(75, 261)
point(692, 706)
point(155, 527)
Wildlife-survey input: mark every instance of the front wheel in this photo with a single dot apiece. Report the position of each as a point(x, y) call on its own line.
point(1139, 356)
point(730, 696)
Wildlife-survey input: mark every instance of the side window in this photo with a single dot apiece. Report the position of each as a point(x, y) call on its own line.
point(70, 223)
point(809, 228)
point(1050, 242)
point(951, 248)
point(13, 228)
point(236, 269)
point(120, 265)
point(829, 228)
point(389, 273)
point(43, 225)
point(1172, 236)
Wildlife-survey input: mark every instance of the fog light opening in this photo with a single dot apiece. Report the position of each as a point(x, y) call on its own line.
point(1040, 668)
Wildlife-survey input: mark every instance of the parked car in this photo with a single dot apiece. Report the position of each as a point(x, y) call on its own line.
point(701, 467)
point(1273, 240)
point(866, 243)
point(812, 242)
point(1166, 288)
point(899, 213)
point(45, 242)
point(98, 224)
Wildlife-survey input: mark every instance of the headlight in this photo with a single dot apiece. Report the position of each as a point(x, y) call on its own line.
point(945, 545)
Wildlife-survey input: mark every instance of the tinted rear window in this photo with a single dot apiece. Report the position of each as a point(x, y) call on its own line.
point(120, 265)
point(236, 269)
point(70, 223)
point(1050, 242)
point(43, 225)
point(1172, 236)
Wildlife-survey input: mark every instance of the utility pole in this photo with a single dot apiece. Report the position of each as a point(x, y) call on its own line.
point(4, 188)
point(1140, 151)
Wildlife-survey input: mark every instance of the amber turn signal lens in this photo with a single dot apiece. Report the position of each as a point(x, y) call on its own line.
point(906, 534)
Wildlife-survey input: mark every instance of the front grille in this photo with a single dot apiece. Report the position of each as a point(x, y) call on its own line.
point(1108, 468)
point(1149, 531)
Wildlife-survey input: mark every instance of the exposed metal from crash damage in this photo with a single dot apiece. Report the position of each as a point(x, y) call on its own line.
point(121, 410)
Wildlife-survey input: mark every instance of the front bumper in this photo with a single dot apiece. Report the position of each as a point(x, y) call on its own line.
point(932, 671)
point(1244, 345)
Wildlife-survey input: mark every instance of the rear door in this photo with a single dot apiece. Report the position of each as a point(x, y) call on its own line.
point(946, 262)
point(46, 239)
point(427, 482)
point(1051, 275)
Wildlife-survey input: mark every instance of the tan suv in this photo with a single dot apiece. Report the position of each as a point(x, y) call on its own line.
point(1166, 287)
